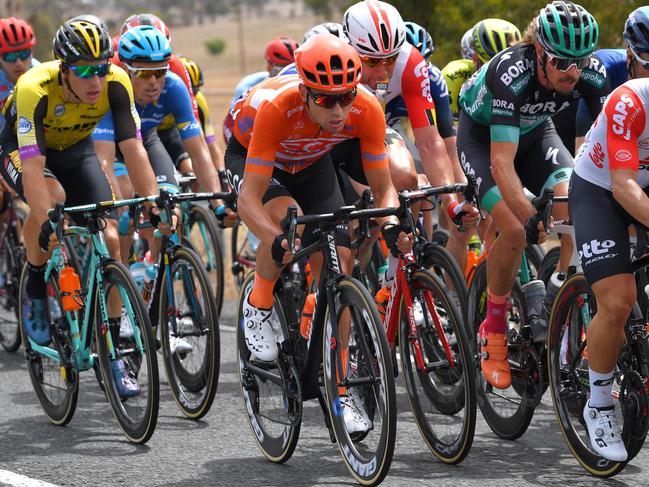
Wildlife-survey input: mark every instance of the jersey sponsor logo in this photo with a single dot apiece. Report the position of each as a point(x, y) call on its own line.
point(59, 110)
point(543, 107)
point(595, 251)
point(466, 165)
point(593, 78)
point(619, 116)
point(374, 157)
point(597, 155)
point(623, 155)
point(503, 104)
point(24, 125)
point(294, 110)
point(520, 84)
point(515, 70)
point(502, 113)
point(81, 127)
point(245, 124)
point(552, 154)
point(477, 103)
point(643, 143)
point(421, 71)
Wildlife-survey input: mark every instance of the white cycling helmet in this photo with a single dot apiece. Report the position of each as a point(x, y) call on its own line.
point(466, 44)
point(333, 28)
point(374, 28)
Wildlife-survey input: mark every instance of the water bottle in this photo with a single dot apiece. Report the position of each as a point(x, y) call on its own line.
point(534, 293)
point(124, 224)
point(150, 272)
point(138, 271)
point(554, 284)
point(70, 286)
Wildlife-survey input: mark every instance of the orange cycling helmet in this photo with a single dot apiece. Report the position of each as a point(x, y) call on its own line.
point(327, 63)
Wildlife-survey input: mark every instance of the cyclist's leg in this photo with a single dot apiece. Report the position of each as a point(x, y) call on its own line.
point(601, 232)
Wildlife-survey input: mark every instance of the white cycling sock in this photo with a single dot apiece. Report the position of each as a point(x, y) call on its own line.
point(600, 388)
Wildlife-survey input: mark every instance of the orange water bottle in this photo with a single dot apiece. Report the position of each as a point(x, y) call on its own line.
point(70, 286)
point(307, 315)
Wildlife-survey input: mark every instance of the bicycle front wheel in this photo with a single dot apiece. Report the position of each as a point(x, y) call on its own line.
point(357, 365)
point(204, 235)
point(438, 369)
point(137, 411)
point(271, 392)
point(189, 333)
point(53, 372)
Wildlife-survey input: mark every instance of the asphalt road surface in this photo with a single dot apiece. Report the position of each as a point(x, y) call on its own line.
point(220, 450)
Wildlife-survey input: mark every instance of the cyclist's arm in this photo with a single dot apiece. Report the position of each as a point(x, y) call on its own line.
point(34, 185)
point(629, 194)
point(434, 158)
point(504, 173)
point(202, 163)
point(105, 150)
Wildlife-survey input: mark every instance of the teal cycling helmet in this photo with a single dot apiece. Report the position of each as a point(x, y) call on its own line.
point(566, 30)
point(420, 38)
point(144, 43)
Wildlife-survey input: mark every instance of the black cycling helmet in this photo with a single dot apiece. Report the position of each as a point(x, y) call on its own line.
point(82, 40)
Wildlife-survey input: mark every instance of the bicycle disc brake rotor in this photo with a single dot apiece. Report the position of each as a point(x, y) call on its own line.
point(528, 380)
point(635, 406)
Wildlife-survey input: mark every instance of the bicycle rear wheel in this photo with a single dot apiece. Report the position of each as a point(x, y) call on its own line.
point(549, 264)
point(569, 381)
point(271, 392)
point(506, 412)
point(191, 317)
point(12, 258)
point(446, 268)
point(243, 261)
point(54, 374)
point(367, 377)
point(204, 235)
point(136, 415)
point(442, 389)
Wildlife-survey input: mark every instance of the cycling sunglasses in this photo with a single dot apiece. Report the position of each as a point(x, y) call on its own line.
point(643, 62)
point(330, 101)
point(373, 62)
point(564, 64)
point(146, 73)
point(11, 57)
point(87, 71)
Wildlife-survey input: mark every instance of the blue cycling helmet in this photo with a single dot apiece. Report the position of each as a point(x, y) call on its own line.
point(420, 38)
point(144, 43)
point(636, 30)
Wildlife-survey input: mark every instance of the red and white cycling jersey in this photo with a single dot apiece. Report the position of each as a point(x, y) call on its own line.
point(410, 80)
point(619, 138)
point(271, 122)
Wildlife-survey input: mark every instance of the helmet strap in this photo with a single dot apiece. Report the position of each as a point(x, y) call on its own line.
point(544, 63)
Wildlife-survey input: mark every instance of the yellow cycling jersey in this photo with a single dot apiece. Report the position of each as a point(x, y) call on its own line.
point(456, 73)
point(204, 114)
point(40, 116)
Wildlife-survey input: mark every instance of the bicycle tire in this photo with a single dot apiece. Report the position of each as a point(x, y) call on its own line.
point(212, 258)
point(549, 264)
point(567, 387)
point(193, 382)
point(492, 402)
point(534, 254)
point(239, 268)
point(278, 445)
point(45, 373)
point(437, 396)
point(14, 257)
point(368, 349)
point(446, 268)
point(137, 416)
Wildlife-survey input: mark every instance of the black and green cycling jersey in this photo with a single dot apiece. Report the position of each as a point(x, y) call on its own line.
point(505, 94)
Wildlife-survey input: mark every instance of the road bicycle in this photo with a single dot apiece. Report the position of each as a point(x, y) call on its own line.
point(12, 259)
point(346, 353)
point(54, 369)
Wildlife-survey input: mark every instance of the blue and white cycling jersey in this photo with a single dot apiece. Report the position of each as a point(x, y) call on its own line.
point(246, 83)
point(6, 87)
point(174, 100)
point(615, 63)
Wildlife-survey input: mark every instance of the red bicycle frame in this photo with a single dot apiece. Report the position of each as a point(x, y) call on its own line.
point(401, 289)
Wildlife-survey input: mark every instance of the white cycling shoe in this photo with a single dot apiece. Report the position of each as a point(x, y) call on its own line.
point(179, 345)
point(259, 327)
point(354, 414)
point(604, 432)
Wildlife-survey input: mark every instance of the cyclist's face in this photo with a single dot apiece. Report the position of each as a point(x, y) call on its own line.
point(14, 69)
point(330, 119)
point(87, 90)
point(638, 70)
point(373, 75)
point(147, 90)
point(562, 82)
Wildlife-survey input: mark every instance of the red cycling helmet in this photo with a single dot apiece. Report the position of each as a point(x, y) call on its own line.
point(327, 63)
point(281, 51)
point(15, 35)
point(146, 19)
point(115, 41)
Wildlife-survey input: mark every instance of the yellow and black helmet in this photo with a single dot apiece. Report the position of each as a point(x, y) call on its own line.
point(194, 71)
point(82, 39)
point(490, 36)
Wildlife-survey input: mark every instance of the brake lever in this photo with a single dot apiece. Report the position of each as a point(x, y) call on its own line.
point(289, 227)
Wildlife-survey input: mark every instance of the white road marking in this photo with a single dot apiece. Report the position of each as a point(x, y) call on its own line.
point(17, 480)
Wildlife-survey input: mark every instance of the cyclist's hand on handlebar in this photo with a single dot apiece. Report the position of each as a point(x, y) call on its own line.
point(166, 228)
point(404, 242)
point(280, 251)
point(396, 239)
point(535, 232)
point(464, 214)
point(47, 240)
point(226, 216)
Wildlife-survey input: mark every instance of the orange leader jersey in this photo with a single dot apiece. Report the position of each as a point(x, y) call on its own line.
point(271, 121)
